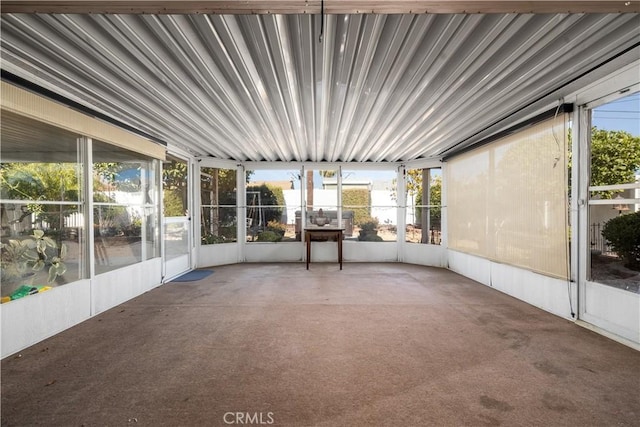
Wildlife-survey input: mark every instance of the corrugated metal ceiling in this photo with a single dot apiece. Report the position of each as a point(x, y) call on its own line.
point(264, 87)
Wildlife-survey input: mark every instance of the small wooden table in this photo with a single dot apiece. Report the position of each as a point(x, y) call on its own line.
point(323, 234)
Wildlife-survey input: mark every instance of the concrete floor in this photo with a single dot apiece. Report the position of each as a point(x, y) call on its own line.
point(374, 344)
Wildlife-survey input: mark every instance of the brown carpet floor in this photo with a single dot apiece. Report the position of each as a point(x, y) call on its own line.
point(374, 344)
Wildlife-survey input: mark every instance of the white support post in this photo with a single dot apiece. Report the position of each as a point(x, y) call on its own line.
point(580, 192)
point(339, 190)
point(86, 144)
point(443, 214)
point(241, 212)
point(401, 202)
point(303, 198)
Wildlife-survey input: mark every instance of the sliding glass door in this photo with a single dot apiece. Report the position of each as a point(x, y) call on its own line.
point(610, 285)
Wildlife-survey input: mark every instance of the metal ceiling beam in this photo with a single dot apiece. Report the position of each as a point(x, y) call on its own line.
point(240, 7)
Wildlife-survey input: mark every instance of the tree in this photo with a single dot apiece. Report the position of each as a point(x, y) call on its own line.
point(310, 184)
point(174, 188)
point(264, 204)
point(414, 182)
point(615, 158)
point(414, 190)
point(40, 181)
point(435, 200)
point(217, 204)
point(34, 182)
point(123, 176)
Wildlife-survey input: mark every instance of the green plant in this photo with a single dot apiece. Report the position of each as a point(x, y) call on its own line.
point(277, 227)
point(269, 236)
point(173, 204)
point(435, 198)
point(19, 255)
point(615, 158)
point(357, 200)
point(14, 256)
point(211, 239)
point(264, 203)
point(369, 231)
point(623, 232)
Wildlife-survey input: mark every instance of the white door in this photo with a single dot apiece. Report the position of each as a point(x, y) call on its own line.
point(177, 224)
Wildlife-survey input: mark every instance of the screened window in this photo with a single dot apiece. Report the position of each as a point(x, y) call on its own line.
point(369, 207)
point(125, 197)
point(273, 205)
point(41, 208)
point(218, 211)
point(321, 199)
point(424, 217)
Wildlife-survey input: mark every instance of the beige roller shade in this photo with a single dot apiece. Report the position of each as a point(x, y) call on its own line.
point(507, 201)
point(36, 107)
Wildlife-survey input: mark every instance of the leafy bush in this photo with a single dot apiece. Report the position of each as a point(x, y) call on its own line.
point(212, 239)
point(269, 236)
point(276, 227)
point(369, 238)
point(357, 200)
point(278, 193)
point(172, 203)
point(269, 204)
point(229, 232)
point(369, 231)
point(623, 232)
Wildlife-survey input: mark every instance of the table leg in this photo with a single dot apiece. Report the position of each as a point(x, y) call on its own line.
point(340, 249)
point(308, 239)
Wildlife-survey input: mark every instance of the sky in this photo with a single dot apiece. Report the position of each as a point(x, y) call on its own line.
point(621, 114)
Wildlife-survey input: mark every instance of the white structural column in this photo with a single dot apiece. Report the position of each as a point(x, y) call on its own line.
point(401, 202)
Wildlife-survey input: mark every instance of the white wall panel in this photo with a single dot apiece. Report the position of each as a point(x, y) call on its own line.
point(34, 318)
point(369, 251)
point(547, 293)
point(274, 252)
point(220, 254)
point(612, 309)
point(115, 287)
point(473, 267)
point(423, 254)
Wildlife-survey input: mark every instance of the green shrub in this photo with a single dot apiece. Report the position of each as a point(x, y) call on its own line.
point(278, 193)
point(172, 203)
point(357, 200)
point(623, 232)
point(268, 206)
point(211, 239)
point(369, 238)
point(276, 227)
point(229, 232)
point(269, 236)
point(369, 231)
